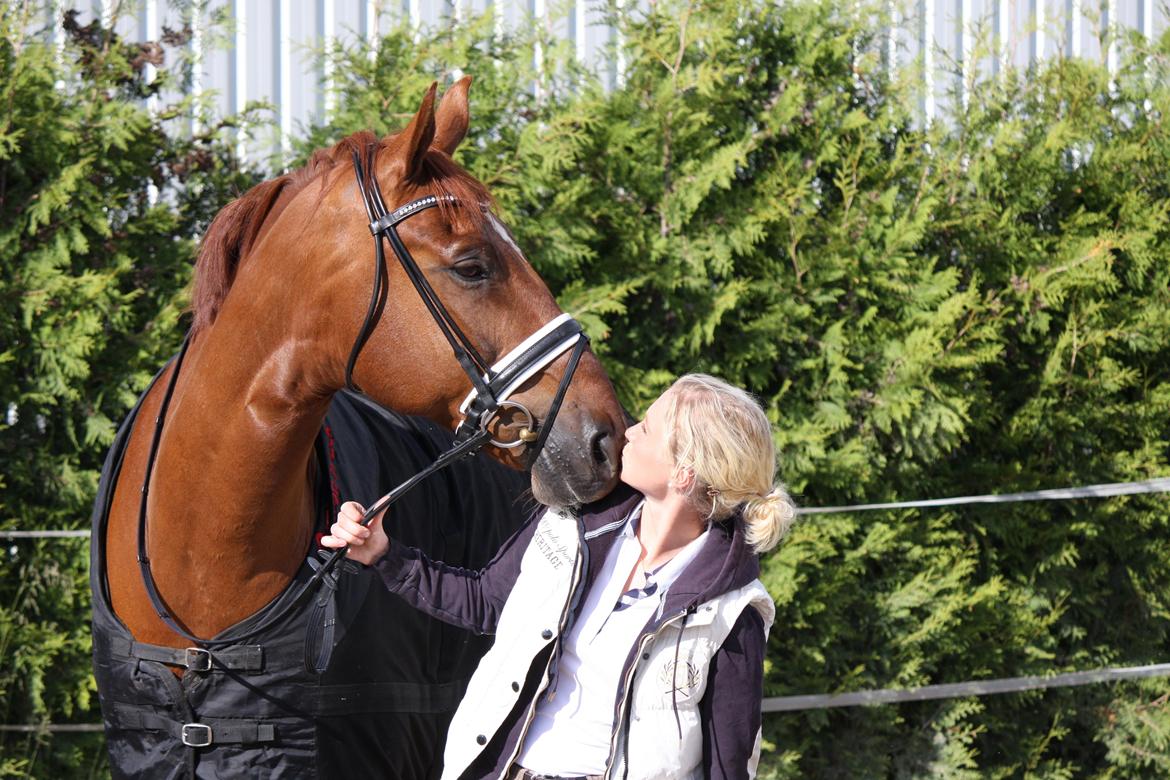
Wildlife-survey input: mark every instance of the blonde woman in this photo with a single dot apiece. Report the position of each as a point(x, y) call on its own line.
point(630, 635)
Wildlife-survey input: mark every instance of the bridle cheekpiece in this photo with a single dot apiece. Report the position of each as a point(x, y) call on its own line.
point(491, 386)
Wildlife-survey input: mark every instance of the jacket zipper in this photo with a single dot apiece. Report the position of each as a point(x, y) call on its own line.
point(621, 725)
point(578, 568)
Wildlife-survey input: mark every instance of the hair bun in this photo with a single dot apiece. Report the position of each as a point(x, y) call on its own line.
point(768, 517)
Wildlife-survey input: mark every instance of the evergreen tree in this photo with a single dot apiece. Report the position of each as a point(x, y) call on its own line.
point(979, 305)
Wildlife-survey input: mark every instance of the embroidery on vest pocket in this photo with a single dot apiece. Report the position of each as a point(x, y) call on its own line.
point(684, 682)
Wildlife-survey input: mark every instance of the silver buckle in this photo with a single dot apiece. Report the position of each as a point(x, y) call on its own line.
point(198, 659)
point(196, 734)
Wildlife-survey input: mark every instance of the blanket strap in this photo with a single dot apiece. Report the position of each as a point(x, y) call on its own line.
point(196, 734)
point(244, 658)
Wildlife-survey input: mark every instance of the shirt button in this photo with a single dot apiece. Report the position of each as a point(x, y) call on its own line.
point(546, 634)
point(516, 686)
point(645, 656)
point(481, 740)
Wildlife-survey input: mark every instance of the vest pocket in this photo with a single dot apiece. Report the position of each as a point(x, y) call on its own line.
point(666, 679)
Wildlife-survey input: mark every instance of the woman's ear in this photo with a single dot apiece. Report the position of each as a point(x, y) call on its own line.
point(682, 480)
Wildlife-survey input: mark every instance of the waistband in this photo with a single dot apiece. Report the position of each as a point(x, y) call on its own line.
point(518, 772)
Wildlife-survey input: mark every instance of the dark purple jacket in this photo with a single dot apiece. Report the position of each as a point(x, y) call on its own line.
point(730, 708)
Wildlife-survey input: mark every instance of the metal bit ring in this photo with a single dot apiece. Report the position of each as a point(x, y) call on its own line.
point(527, 433)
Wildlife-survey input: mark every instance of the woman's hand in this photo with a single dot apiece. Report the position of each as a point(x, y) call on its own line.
point(366, 543)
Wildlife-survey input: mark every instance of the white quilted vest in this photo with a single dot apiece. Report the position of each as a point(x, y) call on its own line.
point(534, 616)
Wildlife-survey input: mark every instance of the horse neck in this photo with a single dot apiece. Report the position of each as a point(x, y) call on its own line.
point(232, 504)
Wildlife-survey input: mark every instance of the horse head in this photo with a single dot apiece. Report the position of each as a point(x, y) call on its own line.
point(310, 230)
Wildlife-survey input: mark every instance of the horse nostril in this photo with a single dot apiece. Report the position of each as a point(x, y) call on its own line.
point(598, 450)
point(600, 446)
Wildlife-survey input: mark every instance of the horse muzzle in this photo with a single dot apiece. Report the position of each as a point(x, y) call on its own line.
point(580, 461)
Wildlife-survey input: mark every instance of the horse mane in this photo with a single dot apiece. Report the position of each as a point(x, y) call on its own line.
point(235, 228)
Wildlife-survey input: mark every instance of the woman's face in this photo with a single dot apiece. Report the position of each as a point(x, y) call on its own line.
point(646, 462)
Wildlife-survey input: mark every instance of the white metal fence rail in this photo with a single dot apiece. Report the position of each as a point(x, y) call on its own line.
point(827, 701)
point(1105, 490)
point(822, 701)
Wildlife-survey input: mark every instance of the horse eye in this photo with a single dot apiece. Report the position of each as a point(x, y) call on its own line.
point(471, 271)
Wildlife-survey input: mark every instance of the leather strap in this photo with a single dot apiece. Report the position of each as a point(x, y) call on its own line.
point(203, 733)
point(518, 772)
point(246, 658)
point(518, 365)
point(322, 621)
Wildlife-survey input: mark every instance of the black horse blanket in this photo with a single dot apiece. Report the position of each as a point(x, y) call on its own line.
point(391, 676)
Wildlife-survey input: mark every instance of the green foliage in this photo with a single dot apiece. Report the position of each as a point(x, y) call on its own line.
point(980, 305)
point(92, 271)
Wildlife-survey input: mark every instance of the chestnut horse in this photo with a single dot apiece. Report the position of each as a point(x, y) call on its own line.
point(282, 284)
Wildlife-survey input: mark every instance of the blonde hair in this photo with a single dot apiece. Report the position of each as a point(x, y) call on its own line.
point(721, 434)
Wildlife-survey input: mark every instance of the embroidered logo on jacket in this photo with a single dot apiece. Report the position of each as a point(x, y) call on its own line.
point(684, 680)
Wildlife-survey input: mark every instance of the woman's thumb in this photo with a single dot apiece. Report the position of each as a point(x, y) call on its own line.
point(375, 522)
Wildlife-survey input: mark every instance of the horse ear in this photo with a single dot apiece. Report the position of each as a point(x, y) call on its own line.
point(418, 135)
point(452, 117)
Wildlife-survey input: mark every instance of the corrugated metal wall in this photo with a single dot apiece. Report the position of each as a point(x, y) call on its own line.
point(268, 52)
point(944, 33)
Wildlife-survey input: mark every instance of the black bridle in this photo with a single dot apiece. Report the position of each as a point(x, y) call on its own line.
point(492, 385)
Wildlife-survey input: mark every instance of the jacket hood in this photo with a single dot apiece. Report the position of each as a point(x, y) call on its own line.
point(724, 563)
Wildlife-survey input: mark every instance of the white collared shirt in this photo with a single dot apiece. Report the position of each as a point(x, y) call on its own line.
point(571, 730)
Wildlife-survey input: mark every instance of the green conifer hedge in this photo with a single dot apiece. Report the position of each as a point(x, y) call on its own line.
point(977, 305)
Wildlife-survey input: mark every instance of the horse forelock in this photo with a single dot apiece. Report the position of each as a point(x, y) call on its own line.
point(464, 203)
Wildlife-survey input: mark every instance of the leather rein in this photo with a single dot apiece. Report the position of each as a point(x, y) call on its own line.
point(492, 385)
